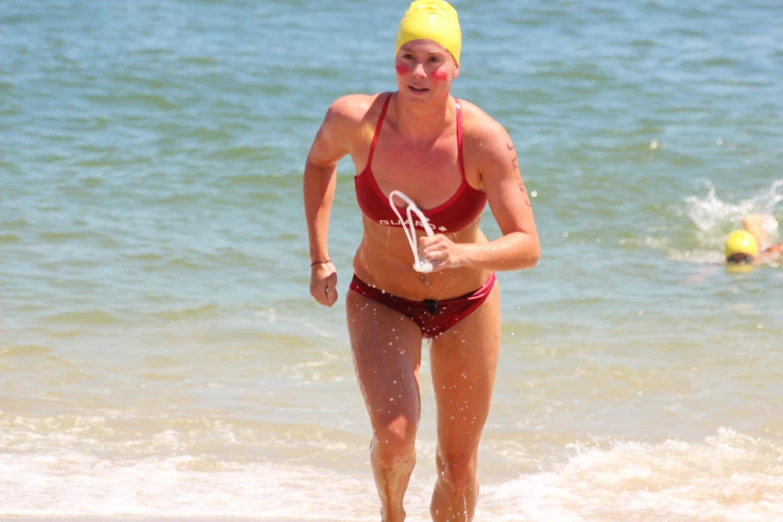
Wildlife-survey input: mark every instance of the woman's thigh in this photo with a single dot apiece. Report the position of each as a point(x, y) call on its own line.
point(386, 348)
point(464, 362)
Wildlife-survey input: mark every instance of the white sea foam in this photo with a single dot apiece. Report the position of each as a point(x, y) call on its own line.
point(729, 476)
point(715, 217)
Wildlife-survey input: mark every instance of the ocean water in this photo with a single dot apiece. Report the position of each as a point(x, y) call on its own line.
point(160, 354)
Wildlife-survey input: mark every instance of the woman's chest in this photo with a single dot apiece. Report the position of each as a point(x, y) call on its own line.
point(427, 174)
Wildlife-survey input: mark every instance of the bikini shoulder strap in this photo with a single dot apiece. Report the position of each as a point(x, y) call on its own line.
point(459, 139)
point(378, 129)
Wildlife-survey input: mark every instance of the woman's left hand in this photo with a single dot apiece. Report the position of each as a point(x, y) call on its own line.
point(441, 251)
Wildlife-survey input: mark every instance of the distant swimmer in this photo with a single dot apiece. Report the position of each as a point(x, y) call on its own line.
point(744, 249)
point(442, 161)
point(743, 246)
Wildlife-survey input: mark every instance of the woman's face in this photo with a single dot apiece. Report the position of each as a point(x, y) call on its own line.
point(425, 70)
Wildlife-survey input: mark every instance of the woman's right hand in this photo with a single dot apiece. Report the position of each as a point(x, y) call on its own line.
point(323, 283)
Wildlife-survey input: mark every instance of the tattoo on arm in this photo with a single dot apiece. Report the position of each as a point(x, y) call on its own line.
point(515, 165)
point(514, 161)
point(524, 192)
point(320, 132)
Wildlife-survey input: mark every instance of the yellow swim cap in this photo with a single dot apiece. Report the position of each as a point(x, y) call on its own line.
point(741, 242)
point(434, 20)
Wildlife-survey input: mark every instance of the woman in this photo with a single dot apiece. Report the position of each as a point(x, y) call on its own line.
point(451, 159)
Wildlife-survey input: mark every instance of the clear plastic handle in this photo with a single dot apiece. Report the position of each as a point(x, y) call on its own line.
point(420, 265)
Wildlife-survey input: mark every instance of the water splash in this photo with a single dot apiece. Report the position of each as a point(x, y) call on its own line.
point(715, 218)
point(711, 213)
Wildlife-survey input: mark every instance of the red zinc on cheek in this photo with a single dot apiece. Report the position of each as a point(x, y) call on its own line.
point(440, 75)
point(402, 69)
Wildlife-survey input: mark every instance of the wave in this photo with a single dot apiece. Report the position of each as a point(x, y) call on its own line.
point(726, 476)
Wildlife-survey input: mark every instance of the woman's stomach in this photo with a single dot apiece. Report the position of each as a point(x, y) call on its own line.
point(385, 260)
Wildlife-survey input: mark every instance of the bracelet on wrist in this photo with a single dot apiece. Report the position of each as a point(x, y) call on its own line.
point(320, 262)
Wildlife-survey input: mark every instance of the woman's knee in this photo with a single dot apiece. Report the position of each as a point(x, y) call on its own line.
point(394, 441)
point(457, 470)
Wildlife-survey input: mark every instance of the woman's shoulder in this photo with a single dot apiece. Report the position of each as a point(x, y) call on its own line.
point(356, 107)
point(479, 128)
point(776, 249)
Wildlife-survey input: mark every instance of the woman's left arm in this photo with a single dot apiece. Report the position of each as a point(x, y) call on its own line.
point(518, 247)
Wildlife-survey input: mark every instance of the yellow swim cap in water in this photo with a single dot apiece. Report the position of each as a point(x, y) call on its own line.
point(741, 242)
point(434, 20)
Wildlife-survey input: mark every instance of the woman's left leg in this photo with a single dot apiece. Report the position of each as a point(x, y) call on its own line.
point(464, 360)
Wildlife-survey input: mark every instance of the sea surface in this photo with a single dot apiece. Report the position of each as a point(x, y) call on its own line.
point(160, 354)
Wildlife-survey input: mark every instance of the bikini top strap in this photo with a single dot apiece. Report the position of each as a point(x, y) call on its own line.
point(378, 129)
point(459, 139)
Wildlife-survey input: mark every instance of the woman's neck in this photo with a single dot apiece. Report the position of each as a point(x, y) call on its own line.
point(425, 121)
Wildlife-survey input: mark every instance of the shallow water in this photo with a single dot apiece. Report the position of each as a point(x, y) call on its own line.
point(160, 353)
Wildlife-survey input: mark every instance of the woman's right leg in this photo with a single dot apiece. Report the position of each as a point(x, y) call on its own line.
point(386, 349)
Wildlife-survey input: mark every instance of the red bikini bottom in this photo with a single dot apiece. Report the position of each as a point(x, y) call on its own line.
point(433, 317)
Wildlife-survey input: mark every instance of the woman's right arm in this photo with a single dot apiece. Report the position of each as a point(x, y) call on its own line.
point(754, 223)
point(332, 142)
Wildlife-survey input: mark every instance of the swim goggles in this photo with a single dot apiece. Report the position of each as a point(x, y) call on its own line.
point(420, 265)
point(739, 258)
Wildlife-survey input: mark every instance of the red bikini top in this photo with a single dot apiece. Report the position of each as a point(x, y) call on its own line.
point(459, 211)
